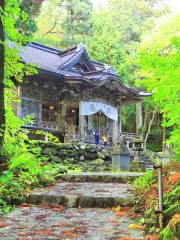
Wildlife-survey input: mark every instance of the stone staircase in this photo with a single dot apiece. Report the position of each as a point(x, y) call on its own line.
point(87, 191)
point(78, 207)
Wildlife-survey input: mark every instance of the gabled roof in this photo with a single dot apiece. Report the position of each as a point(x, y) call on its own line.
point(76, 55)
point(74, 63)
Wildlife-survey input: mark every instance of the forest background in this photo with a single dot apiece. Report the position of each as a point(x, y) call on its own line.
point(139, 38)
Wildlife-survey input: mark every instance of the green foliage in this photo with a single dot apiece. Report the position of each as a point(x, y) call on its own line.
point(64, 23)
point(172, 230)
point(24, 164)
point(128, 118)
point(154, 142)
point(142, 183)
point(159, 59)
point(116, 34)
point(166, 234)
point(112, 34)
point(172, 197)
point(29, 10)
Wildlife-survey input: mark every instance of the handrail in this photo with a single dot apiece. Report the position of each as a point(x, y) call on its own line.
point(43, 125)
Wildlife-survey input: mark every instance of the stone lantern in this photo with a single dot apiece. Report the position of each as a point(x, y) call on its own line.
point(138, 146)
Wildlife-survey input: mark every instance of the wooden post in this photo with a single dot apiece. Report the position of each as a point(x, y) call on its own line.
point(81, 123)
point(139, 118)
point(158, 166)
point(114, 133)
point(63, 116)
point(119, 121)
point(2, 58)
point(40, 108)
point(90, 122)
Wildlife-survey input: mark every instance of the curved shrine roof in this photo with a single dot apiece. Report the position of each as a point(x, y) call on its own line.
point(75, 63)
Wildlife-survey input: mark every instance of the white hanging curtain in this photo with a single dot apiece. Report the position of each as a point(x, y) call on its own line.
point(90, 108)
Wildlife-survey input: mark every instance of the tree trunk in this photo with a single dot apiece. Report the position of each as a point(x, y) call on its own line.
point(145, 122)
point(163, 140)
point(149, 129)
point(2, 110)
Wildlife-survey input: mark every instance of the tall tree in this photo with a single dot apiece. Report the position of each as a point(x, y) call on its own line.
point(117, 32)
point(30, 10)
point(64, 23)
point(160, 65)
point(2, 60)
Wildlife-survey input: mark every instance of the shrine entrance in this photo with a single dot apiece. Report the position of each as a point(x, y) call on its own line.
point(101, 118)
point(100, 123)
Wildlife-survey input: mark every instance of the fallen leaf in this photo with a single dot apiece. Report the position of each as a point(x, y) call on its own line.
point(81, 209)
point(113, 220)
point(2, 225)
point(25, 205)
point(125, 238)
point(116, 209)
point(135, 226)
point(45, 232)
point(23, 233)
point(121, 214)
point(70, 234)
point(58, 208)
point(174, 177)
point(153, 237)
point(41, 216)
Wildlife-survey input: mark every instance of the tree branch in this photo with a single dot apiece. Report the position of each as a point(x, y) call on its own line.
point(149, 128)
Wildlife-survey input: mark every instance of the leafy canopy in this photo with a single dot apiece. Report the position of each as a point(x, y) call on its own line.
point(160, 62)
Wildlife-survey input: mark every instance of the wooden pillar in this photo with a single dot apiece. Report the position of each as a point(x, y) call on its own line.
point(139, 118)
point(90, 122)
point(81, 123)
point(40, 112)
point(115, 132)
point(81, 127)
point(64, 116)
point(119, 121)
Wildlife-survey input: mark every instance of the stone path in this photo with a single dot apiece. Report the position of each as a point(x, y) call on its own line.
point(38, 223)
point(75, 211)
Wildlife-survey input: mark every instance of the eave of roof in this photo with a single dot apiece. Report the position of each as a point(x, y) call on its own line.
point(60, 62)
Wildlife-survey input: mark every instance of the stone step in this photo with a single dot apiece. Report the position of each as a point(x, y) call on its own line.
point(59, 224)
point(84, 195)
point(122, 177)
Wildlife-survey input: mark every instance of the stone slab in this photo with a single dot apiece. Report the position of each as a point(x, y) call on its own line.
point(37, 223)
point(85, 194)
point(122, 177)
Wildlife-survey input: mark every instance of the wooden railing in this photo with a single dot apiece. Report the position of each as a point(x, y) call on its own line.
point(43, 125)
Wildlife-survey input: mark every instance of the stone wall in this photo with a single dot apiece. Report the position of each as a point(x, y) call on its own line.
point(89, 157)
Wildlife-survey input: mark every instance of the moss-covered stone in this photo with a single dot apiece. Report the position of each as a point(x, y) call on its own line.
point(49, 151)
point(91, 156)
point(98, 162)
point(56, 159)
point(80, 154)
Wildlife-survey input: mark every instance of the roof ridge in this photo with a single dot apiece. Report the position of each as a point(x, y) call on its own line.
point(44, 47)
point(68, 50)
point(76, 54)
